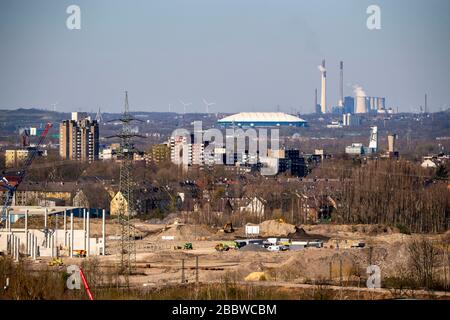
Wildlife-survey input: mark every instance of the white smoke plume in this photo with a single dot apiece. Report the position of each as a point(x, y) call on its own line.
point(358, 91)
point(321, 68)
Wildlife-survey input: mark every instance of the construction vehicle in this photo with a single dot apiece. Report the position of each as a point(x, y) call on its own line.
point(225, 246)
point(12, 180)
point(228, 228)
point(186, 246)
point(79, 253)
point(55, 262)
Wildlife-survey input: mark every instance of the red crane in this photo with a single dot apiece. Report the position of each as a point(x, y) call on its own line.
point(11, 180)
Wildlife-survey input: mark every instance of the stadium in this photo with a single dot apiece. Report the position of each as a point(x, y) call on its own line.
point(262, 119)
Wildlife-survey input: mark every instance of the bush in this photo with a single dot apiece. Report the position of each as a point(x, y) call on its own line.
point(403, 229)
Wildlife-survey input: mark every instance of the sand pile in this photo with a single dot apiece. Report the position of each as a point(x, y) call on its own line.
point(258, 276)
point(275, 228)
point(186, 232)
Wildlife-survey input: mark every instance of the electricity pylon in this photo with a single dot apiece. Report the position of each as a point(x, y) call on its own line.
point(127, 207)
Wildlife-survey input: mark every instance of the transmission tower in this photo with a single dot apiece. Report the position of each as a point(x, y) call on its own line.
point(99, 116)
point(127, 208)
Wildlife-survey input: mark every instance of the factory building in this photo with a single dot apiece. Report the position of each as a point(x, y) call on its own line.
point(350, 120)
point(359, 149)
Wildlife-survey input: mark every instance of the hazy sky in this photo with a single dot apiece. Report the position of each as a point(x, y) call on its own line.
point(245, 55)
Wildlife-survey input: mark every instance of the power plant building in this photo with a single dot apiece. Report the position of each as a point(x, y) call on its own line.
point(262, 119)
point(349, 105)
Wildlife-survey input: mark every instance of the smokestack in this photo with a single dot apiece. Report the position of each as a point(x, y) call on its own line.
point(315, 100)
point(323, 99)
point(341, 86)
point(426, 103)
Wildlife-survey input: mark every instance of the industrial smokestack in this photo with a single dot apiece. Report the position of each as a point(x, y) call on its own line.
point(315, 100)
point(323, 99)
point(341, 86)
point(426, 103)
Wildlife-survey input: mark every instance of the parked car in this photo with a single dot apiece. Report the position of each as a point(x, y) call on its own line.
point(315, 244)
point(358, 244)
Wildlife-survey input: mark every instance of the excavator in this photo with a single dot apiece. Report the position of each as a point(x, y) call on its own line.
point(228, 227)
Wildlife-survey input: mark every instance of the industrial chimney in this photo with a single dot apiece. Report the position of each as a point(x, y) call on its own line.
point(426, 103)
point(341, 86)
point(316, 109)
point(323, 100)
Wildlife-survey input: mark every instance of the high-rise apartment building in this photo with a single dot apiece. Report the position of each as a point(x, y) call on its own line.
point(78, 139)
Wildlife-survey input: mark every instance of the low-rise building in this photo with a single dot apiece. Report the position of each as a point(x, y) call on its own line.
point(158, 153)
point(14, 158)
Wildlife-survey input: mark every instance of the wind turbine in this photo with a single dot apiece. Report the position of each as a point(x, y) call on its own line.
point(54, 106)
point(185, 105)
point(208, 104)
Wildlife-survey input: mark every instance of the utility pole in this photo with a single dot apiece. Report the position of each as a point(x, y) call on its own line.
point(196, 269)
point(126, 185)
point(182, 271)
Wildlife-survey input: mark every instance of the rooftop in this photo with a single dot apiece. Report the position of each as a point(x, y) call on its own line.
point(261, 117)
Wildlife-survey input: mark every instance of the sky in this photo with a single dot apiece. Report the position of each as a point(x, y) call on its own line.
point(244, 55)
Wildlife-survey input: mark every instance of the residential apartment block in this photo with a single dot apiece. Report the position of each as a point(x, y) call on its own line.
point(78, 139)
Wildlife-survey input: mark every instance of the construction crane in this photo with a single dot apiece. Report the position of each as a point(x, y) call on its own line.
point(11, 180)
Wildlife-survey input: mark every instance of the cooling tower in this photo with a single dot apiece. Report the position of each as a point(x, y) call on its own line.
point(372, 105)
point(361, 104)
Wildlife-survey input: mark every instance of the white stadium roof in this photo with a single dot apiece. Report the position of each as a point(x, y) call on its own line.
point(256, 117)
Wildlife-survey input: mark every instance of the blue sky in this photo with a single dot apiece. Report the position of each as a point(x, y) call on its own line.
point(245, 55)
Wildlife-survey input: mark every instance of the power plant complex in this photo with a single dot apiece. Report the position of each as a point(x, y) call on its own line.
point(360, 103)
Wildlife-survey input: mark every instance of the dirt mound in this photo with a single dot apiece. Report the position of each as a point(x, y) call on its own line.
point(169, 219)
point(186, 232)
point(258, 276)
point(301, 234)
point(275, 228)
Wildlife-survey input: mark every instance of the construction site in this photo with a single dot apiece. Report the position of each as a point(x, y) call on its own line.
point(125, 256)
point(173, 254)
